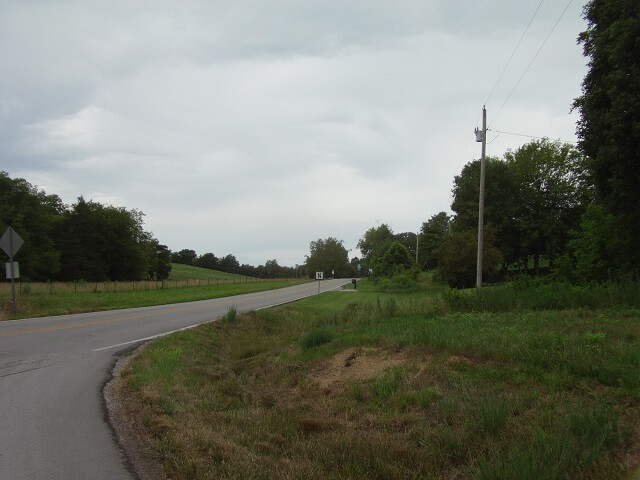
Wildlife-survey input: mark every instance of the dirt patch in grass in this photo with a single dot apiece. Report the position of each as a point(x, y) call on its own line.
point(352, 364)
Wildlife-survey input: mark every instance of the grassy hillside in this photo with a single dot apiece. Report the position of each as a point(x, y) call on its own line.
point(369, 384)
point(183, 272)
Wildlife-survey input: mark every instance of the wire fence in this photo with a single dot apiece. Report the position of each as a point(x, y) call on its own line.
point(23, 288)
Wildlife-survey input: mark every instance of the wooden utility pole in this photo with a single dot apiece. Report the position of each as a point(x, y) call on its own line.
point(481, 199)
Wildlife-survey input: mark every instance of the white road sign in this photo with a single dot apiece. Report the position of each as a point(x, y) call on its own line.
point(319, 275)
point(16, 270)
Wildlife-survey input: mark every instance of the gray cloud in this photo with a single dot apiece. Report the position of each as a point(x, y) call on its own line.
point(253, 127)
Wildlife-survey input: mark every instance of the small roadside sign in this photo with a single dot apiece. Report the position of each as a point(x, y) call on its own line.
point(319, 275)
point(12, 272)
point(10, 242)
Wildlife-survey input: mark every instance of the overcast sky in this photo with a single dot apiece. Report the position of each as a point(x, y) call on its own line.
point(253, 127)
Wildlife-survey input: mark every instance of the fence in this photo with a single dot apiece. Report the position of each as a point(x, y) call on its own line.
point(141, 285)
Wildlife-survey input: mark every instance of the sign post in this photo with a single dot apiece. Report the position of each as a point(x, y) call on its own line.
point(11, 243)
point(319, 276)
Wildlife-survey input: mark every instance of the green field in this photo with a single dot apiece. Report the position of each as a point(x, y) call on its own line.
point(36, 303)
point(429, 384)
point(182, 272)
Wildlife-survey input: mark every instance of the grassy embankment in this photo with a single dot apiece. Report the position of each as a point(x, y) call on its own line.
point(185, 284)
point(501, 384)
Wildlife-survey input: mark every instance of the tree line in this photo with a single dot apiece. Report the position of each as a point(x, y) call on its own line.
point(575, 210)
point(94, 242)
point(230, 264)
point(85, 241)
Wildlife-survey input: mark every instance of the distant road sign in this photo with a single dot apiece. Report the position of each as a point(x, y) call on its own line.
point(319, 275)
point(10, 242)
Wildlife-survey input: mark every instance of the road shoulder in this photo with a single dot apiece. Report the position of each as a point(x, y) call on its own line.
point(126, 431)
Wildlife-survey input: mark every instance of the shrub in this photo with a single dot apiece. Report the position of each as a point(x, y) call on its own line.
point(316, 337)
point(232, 314)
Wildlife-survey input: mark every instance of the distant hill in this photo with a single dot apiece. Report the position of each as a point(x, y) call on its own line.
point(180, 271)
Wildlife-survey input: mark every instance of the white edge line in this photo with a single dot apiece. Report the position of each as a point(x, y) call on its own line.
point(164, 334)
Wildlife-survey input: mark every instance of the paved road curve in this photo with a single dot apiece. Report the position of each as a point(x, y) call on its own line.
point(52, 370)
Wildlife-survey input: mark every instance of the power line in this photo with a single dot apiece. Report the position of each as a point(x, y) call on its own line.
point(525, 135)
point(532, 60)
point(504, 69)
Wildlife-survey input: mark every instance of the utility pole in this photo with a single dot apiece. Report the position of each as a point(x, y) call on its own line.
point(417, 241)
point(483, 139)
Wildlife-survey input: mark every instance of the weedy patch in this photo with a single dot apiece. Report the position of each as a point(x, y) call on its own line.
point(393, 387)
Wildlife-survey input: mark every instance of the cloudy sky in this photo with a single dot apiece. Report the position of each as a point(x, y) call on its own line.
point(255, 126)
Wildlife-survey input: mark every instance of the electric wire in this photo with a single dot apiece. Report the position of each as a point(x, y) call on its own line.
point(525, 135)
point(504, 69)
point(531, 61)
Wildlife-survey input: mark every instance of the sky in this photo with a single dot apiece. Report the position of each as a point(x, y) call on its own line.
point(253, 127)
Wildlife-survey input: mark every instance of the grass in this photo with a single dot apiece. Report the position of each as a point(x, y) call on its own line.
point(378, 385)
point(181, 272)
point(37, 304)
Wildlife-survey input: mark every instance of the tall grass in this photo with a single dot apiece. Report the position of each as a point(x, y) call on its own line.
point(534, 295)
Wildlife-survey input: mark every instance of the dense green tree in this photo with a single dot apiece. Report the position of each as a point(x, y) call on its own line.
point(432, 234)
point(229, 264)
point(457, 257)
point(185, 256)
point(501, 200)
point(395, 260)
point(327, 255)
point(609, 128)
point(375, 242)
point(551, 192)
point(208, 260)
point(34, 215)
point(408, 240)
point(158, 260)
point(100, 243)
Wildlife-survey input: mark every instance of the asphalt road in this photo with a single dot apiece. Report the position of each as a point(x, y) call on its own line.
point(52, 369)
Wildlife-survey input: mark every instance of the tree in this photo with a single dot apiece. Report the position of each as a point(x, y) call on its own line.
point(208, 260)
point(375, 242)
point(100, 243)
point(158, 260)
point(35, 216)
point(551, 190)
point(501, 200)
point(408, 240)
point(457, 257)
point(327, 255)
point(185, 256)
point(396, 259)
point(609, 128)
point(229, 264)
point(432, 234)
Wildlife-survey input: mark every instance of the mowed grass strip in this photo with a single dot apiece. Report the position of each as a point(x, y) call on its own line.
point(44, 304)
point(375, 386)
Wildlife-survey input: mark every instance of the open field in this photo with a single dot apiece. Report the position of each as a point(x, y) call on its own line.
point(62, 299)
point(182, 272)
point(380, 386)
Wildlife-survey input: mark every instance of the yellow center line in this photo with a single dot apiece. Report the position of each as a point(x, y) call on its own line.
point(102, 322)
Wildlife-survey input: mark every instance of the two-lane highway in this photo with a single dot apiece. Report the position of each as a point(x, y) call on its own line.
point(52, 369)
